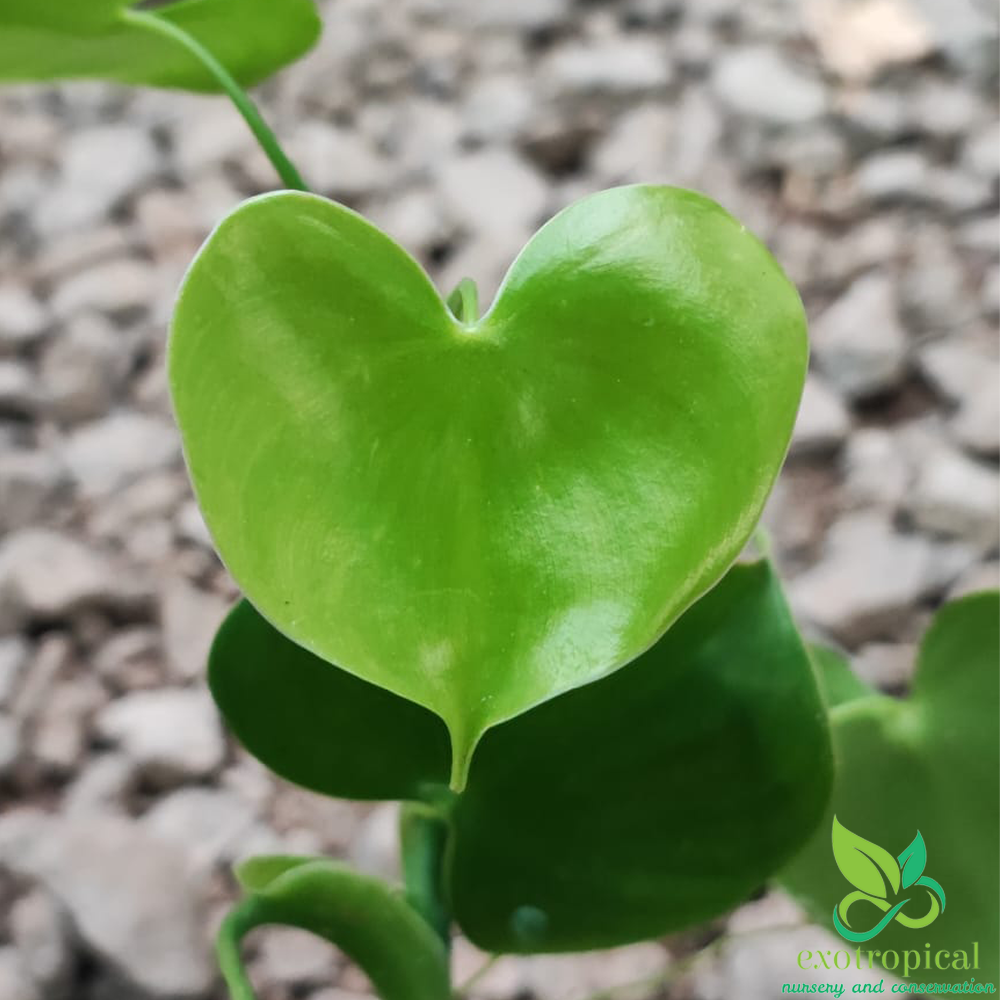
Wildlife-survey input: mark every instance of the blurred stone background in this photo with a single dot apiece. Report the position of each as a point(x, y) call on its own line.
point(859, 139)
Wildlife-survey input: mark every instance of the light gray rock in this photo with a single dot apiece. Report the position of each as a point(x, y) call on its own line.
point(982, 576)
point(877, 471)
point(977, 423)
point(296, 959)
point(129, 895)
point(337, 161)
point(870, 576)
point(956, 496)
point(858, 342)
point(130, 660)
point(980, 156)
point(519, 15)
point(114, 287)
point(493, 193)
point(103, 786)
point(108, 454)
point(23, 318)
point(10, 744)
point(638, 148)
point(823, 421)
point(83, 369)
point(40, 931)
point(610, 66)
point(15, 982)
point(190, 618)
point(19, 390)
point(14, 655)
point(760, 83)
point(376, 848)
point(46, 576)
point(888, 666)
point(59, 737)
point(215, 826)
point(935, 292)
point(99, 167)
point(902, 175)
point(173, 735)
point(30, 481)
point(496, 108)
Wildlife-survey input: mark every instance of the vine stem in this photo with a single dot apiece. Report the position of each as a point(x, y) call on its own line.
point(149, 21)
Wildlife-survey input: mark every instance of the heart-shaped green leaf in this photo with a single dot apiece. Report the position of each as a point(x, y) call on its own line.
point(53, 39)
point(365, 918)
point(649, 800)
point(480, 515)
point(929, 763)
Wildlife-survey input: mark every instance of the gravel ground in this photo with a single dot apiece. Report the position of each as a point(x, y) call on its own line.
point(859, 139)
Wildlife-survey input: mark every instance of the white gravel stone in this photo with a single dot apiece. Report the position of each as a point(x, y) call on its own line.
point(295, 958)
point(15, 981)
point(19, 389)
point(15, 653)
point(638, 148)
point(190, 618)
point(30, 482)
point(337, 161)
point(493, 193)
point(611, 66)
point(894, 176)
point(83, 369)
point(173, 735)
point(10, 744)
point(23, 319)
point(46, 576)
point(40, 931)
point(99, 167)
point(59, 736)
point(761, 83)
point(858, 342)
point(957, 496)
point(108, 454)
point(877, 471)
point(823, 422)
point(114, 286)
point(522, 15)
point(214, 825)
point(870, 575)
point(129, 895)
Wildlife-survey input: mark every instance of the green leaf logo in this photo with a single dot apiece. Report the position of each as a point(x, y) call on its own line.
point(913, 860)
point(872, 871)
point(864, 864)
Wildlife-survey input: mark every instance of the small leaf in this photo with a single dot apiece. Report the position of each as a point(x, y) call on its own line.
point(927, 762)
point(66, 39)
point(480, 516)
point(863, 863)
point(362, 916)
point(913, 861)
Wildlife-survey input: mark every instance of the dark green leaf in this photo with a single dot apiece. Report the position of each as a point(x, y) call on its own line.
point(320, 726)
point(54, 39)
point(930, 763)
point(652, 799)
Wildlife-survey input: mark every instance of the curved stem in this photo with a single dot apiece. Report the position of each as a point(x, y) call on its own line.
point(464, 302)
point(227, 950)
point(149, 21)
point(423, 838)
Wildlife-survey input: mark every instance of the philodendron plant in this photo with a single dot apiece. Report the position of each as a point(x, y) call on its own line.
point(489, 558)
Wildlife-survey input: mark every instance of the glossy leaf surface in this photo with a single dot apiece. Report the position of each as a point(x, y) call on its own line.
point(479, 516)
point(929, 763)
point(361, 915)
point(56, 39)
point(647, 801)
